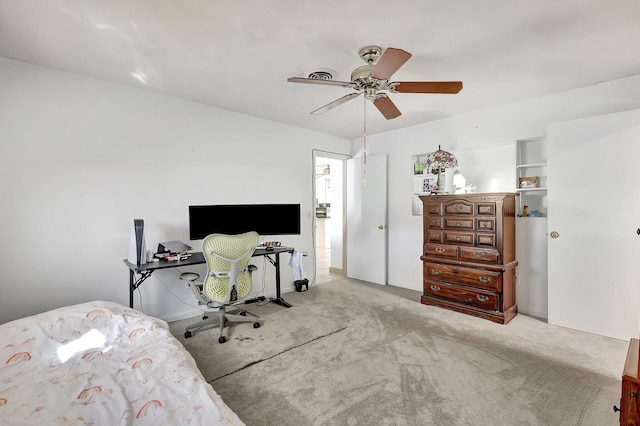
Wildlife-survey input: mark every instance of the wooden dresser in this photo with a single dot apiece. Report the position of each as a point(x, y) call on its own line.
point(469, 254)
point(629, 415)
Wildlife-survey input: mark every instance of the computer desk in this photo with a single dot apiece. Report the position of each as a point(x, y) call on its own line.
point(147, 269)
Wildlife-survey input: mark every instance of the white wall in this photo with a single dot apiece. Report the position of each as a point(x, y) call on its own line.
point(491, 168)
point(81, 158)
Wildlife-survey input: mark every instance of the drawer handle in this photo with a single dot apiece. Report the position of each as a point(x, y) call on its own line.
point(482, 298)
point(440, 250)
point(478, 255)
point(434, 222)
point(483, 279)
point(436, 272)
point(458, 224)
point(433, 209)
point(435, 287)
point(458, 238)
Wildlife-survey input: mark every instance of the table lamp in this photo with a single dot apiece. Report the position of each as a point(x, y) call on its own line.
point(440, 160)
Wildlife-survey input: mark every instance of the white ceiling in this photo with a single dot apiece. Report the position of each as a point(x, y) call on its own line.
point(238, 54)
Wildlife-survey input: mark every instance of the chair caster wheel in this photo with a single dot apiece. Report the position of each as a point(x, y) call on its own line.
point(222, 339)
point(243, 313)
point(256, 325)
point(187, 334)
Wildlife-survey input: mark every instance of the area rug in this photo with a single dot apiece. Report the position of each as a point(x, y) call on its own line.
point(282, 329)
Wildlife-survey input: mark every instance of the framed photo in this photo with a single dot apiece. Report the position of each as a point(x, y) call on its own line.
point(424, 184)
point(528, 182)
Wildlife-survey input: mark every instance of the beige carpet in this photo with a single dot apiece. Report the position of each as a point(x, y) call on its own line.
point(398, 362)
point(281, 330)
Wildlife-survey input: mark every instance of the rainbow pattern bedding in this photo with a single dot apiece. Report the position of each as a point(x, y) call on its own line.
point(101, 363)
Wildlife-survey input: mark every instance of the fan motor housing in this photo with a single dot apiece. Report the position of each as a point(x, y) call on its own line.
point(362, 72)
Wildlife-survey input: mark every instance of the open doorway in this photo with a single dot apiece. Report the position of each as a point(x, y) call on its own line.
point(329, 221)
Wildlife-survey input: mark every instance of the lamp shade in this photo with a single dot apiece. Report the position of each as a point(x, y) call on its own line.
point(436, 162)
point(440, 160)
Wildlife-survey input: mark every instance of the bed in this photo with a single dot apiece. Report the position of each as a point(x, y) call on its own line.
point(104, 364)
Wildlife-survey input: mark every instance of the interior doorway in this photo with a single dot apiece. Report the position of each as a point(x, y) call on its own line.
point(329, 221)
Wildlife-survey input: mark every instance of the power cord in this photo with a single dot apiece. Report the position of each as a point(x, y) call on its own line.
point(263, 282)
point(140, 297)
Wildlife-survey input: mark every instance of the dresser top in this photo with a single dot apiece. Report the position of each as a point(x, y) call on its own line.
point(478, 196)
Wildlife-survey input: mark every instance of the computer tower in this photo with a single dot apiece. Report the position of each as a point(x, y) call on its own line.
point(137, 246)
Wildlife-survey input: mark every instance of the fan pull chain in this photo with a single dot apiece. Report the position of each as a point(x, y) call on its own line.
point(364, 144)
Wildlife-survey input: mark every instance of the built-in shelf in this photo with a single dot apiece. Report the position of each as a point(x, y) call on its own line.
point(531, 231)
point(531, 189)
point(531, 162)
point(524, 166)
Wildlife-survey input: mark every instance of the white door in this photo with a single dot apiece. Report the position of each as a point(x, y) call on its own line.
point(367, 219)
point(594, 212)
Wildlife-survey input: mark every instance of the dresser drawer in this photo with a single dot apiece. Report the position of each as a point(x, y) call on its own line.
point(433, 208)
point(486, 209)
point(434, 236)
point(441, 250)
point(458, 237)
point(458, 222)
point(477, 278)
point(480, 254)
point(486, 224)
point(486, 240)
point(465, 296)
point(434, 222)
point(459, 207)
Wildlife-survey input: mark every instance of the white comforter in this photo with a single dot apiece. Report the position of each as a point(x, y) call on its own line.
point(101, 363)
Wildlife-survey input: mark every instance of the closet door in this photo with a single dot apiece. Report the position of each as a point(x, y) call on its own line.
point(594, 212)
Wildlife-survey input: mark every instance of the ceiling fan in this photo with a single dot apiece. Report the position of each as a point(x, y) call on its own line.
point(373, 79)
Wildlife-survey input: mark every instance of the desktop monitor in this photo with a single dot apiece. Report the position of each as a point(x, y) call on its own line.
point(265, 219)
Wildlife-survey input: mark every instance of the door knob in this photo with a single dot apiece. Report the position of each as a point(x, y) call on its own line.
point(380, 226)
point(554, 234)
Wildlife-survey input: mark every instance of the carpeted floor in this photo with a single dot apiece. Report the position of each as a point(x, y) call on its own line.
point(281, 330)
point(397, 362)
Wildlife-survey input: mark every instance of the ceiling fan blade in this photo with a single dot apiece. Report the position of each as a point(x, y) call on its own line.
point(323, 82)
point(428, 87)
point(386, 107)
point(390, 61)
point(335, 103)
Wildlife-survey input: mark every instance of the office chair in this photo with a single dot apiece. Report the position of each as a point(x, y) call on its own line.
point(228, 280)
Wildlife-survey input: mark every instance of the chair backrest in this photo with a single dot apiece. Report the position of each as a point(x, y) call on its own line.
point(227, 259)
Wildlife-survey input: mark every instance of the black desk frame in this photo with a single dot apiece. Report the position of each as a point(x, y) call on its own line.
point(147, 269)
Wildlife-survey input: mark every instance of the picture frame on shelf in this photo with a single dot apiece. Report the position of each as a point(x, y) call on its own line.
point(425, 184)
point(528, 182)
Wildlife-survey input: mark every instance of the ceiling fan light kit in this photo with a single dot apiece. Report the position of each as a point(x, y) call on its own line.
point(372, 80)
